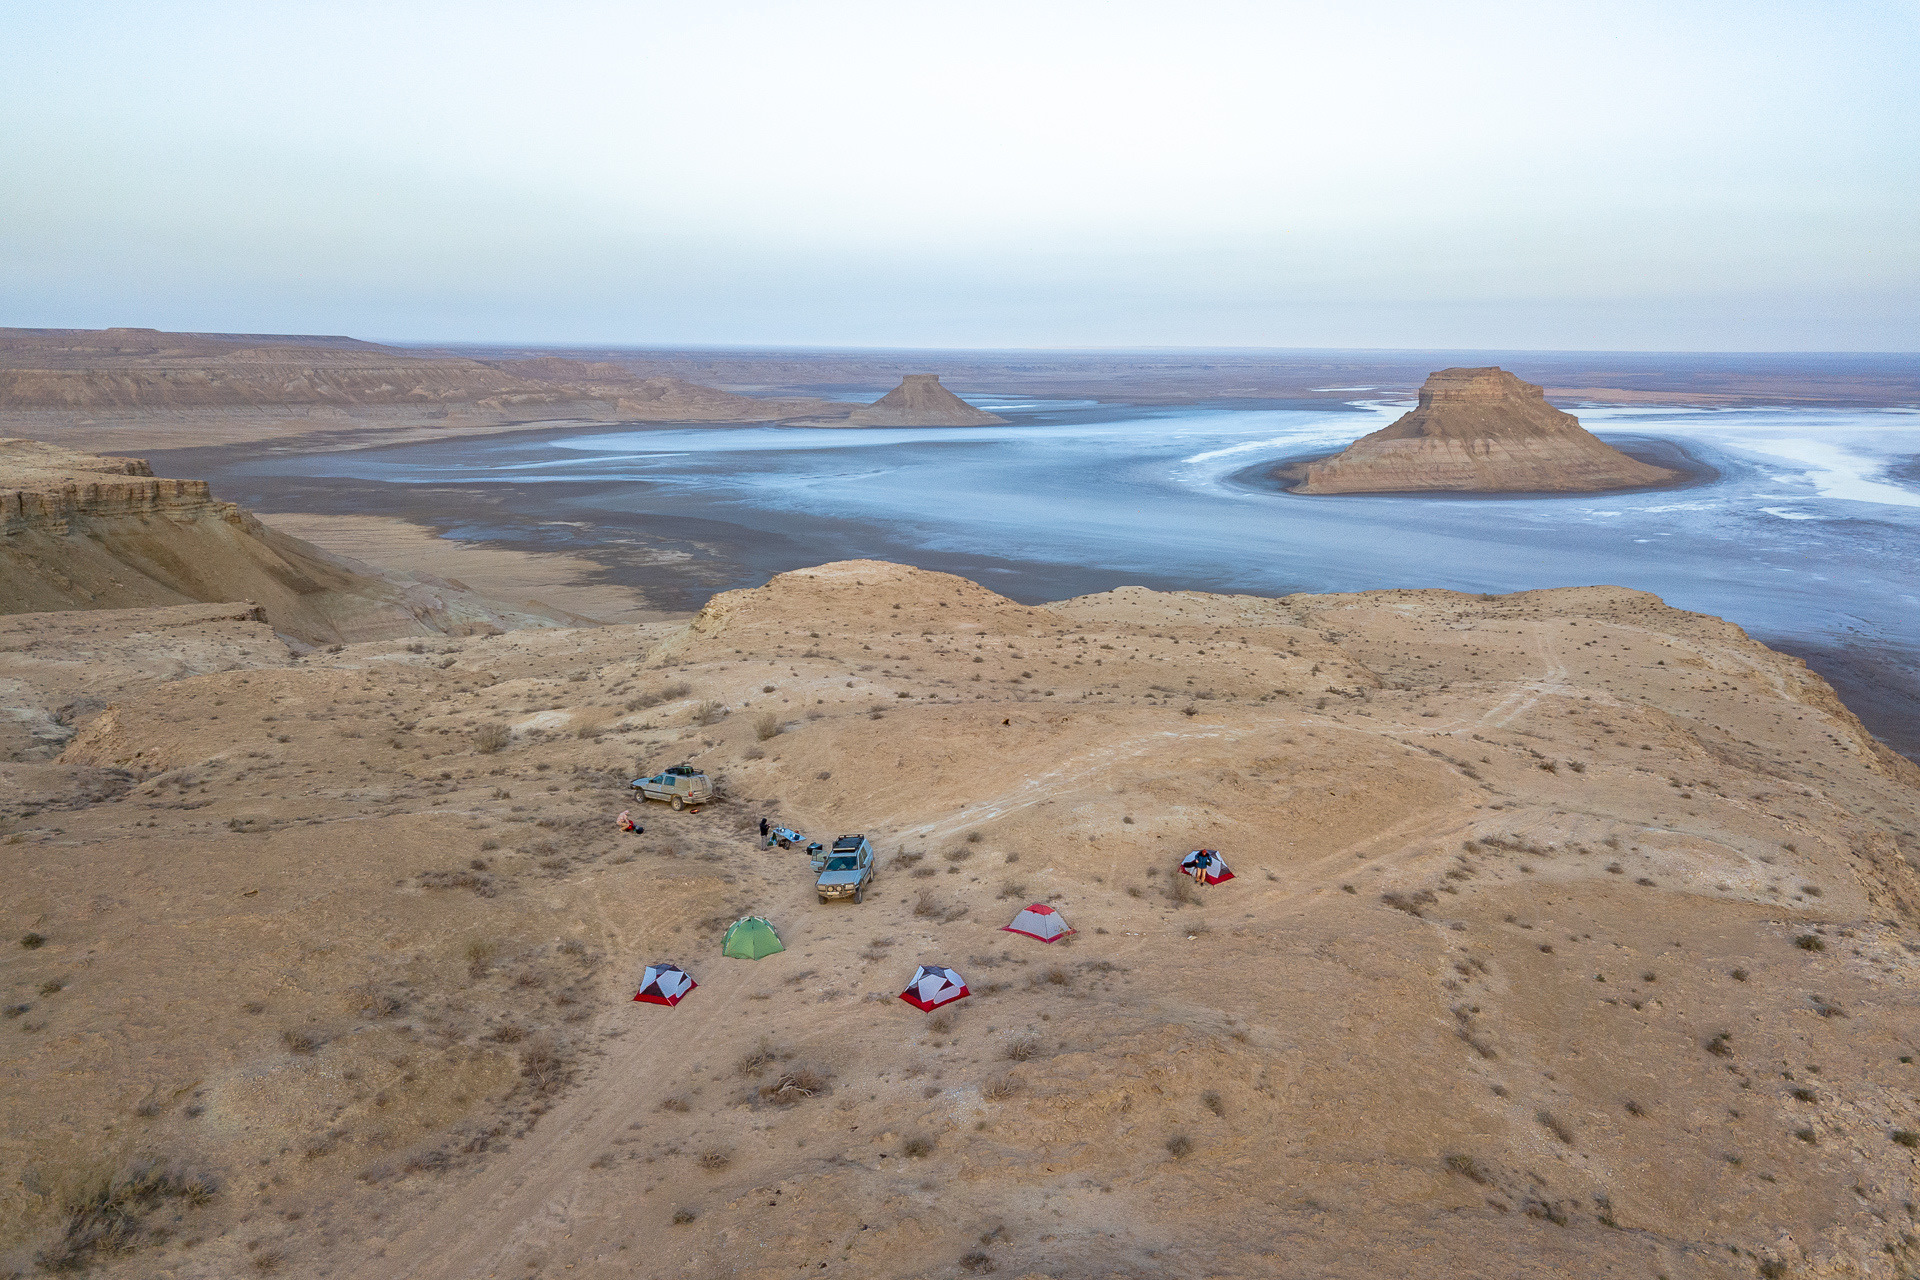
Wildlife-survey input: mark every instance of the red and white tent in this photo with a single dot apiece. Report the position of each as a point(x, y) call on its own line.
point(934, 985)
point(1206, 866)
point(664, 984)
point(1039, 921)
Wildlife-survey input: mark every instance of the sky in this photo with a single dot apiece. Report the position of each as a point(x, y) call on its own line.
point(1042, 173)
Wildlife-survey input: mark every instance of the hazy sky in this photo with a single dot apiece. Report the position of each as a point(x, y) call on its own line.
point(1190, 172)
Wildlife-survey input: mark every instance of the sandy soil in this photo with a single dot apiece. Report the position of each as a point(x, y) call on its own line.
point(1570, 935)
point(514, 577)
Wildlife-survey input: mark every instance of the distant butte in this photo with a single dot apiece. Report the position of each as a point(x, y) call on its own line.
point(1477, 431)
point(920, 401)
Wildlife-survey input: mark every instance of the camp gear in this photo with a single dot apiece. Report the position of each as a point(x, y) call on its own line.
point(679, 786)
point(628, 824)
point(934, 985)
point(785, 837)
point(664, 984)
point(1039, 921)
point(846, 871)
point(750, 938)
point(1206, 866)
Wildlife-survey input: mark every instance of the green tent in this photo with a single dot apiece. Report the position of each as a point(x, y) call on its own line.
point(750, 938)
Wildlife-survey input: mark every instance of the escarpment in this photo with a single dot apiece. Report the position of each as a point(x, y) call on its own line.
point(1477, 431)
point(78, 531)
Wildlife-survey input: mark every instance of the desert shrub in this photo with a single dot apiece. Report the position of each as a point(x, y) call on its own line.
point(108, 1215)
point(1553, 1124)
point(1905, 1137)
point(673, 1104)
point(1719, 1045)
point(977, 1262)
point(709, 712)
point(489, 738)
point(715, 1158)
point(1809, 942)
point(681, 1217)
point(756, 1062)
point(1468, 1168)
point(1000, 1088)
point(544, 1067)
point(1012, 889)
point(1411, 903)
point(1022, 1049)
point(794, 1086)
point(33, 941)
point(1179, 1146)
point(1212, 1102)
point(298, 1041)
point(941, 1023)
point(917, 1147)
point(766, 725)
point(927, 907)
point(670, 692)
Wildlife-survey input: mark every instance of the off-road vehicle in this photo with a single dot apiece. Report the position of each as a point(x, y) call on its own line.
point(679, 786)
point(845, 870)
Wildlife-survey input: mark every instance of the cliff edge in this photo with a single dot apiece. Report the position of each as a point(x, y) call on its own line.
point(1477, 431)
point(78, 531)
point(920, 401)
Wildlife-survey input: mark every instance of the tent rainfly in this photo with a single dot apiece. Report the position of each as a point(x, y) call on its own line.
point(934, 985)
point(664, 984)
point(1206, 866)
point(1039, 921)
point(750, 938)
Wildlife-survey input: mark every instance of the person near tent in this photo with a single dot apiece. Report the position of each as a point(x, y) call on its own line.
point(627, 823)
point(765, 828)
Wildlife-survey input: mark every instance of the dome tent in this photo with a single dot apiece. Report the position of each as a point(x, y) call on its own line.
point(750, 938)
point(664, 984)
point(1206, 866)
point(1039, 921)
point(934, 985)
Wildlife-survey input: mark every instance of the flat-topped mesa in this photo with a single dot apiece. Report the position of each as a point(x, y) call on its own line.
point(920, 401)
point(1477, 431)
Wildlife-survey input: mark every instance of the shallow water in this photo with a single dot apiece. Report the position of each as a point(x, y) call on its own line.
point(1807, 536)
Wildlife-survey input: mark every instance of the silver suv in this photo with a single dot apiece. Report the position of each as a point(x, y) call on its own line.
point(845, 870)
point(679, 786)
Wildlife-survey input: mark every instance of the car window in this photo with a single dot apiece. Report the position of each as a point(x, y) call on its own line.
point(841, 862)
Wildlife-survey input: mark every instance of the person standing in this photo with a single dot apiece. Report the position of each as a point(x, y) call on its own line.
point(764, 828)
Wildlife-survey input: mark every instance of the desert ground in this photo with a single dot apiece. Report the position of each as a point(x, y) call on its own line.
point(1570, 935)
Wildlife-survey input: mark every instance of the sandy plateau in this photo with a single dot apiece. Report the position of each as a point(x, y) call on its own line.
point(1571, 935)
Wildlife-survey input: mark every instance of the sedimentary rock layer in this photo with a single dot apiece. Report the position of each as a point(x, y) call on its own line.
point(920, 401)
point(1481, 431)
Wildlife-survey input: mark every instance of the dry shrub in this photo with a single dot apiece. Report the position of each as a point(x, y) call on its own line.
point(927, 908)
point(544, 1067)
point(759, 1060)
point(681, 1217)
point(940, 1023)
point(672, 692)
point(1000, 1088)
point(766, 725)
point(1022, 1049)
point(1180, 1146)
point(674, 1104)
point(977, 1262)
point(715, 1158)
point(298, 1041)
point(1211, 1101)
point(917, 1147)
point(108, 1215)
point(489, 738)
point(1553, 1124)
point(1469, 1168)
point(709, 712)
point(794, 1086)
point(1012, 889)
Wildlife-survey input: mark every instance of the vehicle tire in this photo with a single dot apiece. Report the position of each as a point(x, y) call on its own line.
point(678, 804)
point(860, 894)
point(823, 899)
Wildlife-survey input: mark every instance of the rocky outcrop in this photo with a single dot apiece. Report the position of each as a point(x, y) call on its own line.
point(1477, 431)
point(920, 401)
point(84, 532)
